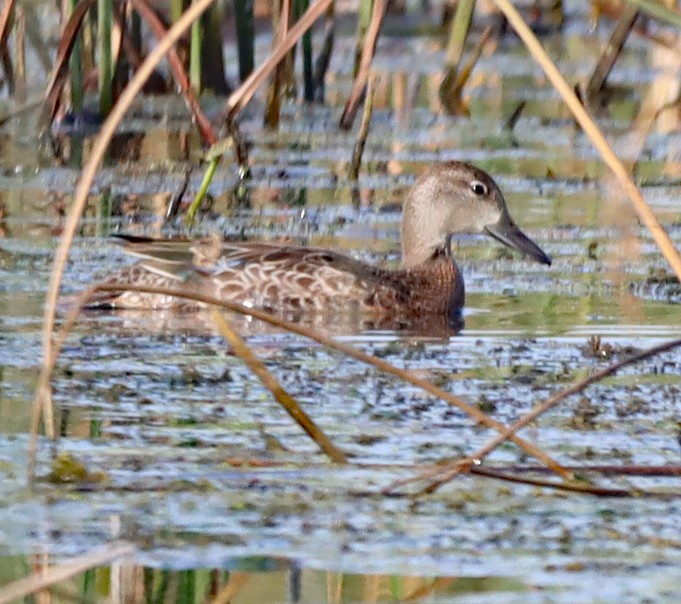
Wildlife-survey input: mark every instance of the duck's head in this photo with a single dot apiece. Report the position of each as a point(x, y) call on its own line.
point(456, 197)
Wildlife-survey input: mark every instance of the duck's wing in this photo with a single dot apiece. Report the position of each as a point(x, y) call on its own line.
point(266, 275)
point(169, 258)
point(269, 275)
point(259, 274)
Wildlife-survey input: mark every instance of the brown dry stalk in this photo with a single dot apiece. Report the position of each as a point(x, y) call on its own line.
point(240, 97)
point(27, 586)
point(611, 52)
point(61, 63)
point(243, 351)
point(507, 473)
point(236, 582)
point(350, 351)
point(464, 75)
point(87, 178)
point(179, 72)
point(5, 17)
point(649, 110)
point(368, 51)
point(575, 487)
point(273, 104)
point(452, 85)
point(5, 59)
point(608, 470)
point(599, 141)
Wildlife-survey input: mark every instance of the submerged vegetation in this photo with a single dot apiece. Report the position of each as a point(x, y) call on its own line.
point(381, 452)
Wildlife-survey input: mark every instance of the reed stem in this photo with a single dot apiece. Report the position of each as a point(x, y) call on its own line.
point(461, 24)
point(308, 75)
point(105, 19)
point(366, 8)
point(76, 68)
point(245, 36)
point(195, 49)
point(203, 189)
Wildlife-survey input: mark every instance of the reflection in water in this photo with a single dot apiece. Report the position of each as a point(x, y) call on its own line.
point(255, 581)
point(199, 322)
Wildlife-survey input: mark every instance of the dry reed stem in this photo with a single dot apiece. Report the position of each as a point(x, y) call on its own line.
point(179, 73)
point(243, 351)
point(242, 95)
point(584, 488)
point(27, 586)
point(610, 470)
point(61, 64)
point(465, 74)
point(360, 142)
point(236, 582)
point(508, 474)
point(664, 11)
point(273, 103)
point(85, 183)
point(611, 52)
point(599, 141)
point(359, 87)
point(451, 88)
point(350, 351)
point(5, 15)
point(445, 473)
point(643, 123)
point(5, 18)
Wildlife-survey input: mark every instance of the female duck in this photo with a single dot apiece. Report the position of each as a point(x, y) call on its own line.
point(449, 198)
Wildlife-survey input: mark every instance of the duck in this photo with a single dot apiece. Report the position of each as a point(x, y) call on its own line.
point(447, 199)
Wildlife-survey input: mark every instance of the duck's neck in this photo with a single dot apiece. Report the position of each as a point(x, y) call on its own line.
point(419, 246)
point(422, 230)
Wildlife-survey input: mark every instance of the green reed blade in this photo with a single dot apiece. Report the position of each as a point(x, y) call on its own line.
point(106, 67)
point(195, 49)
point(203, 189)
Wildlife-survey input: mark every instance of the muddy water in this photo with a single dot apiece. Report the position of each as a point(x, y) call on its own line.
point(162, 416)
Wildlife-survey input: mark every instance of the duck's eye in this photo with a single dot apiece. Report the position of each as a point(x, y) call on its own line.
point(478, 188)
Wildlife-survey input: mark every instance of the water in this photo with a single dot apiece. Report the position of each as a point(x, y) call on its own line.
point(192, 460)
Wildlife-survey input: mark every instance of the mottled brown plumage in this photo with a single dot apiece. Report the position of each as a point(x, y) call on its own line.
point(448, 198)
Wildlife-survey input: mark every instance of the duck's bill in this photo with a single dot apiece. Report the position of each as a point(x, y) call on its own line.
point(510, 235)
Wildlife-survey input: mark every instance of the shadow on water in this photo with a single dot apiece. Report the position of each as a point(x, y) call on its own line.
point(180, 451)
